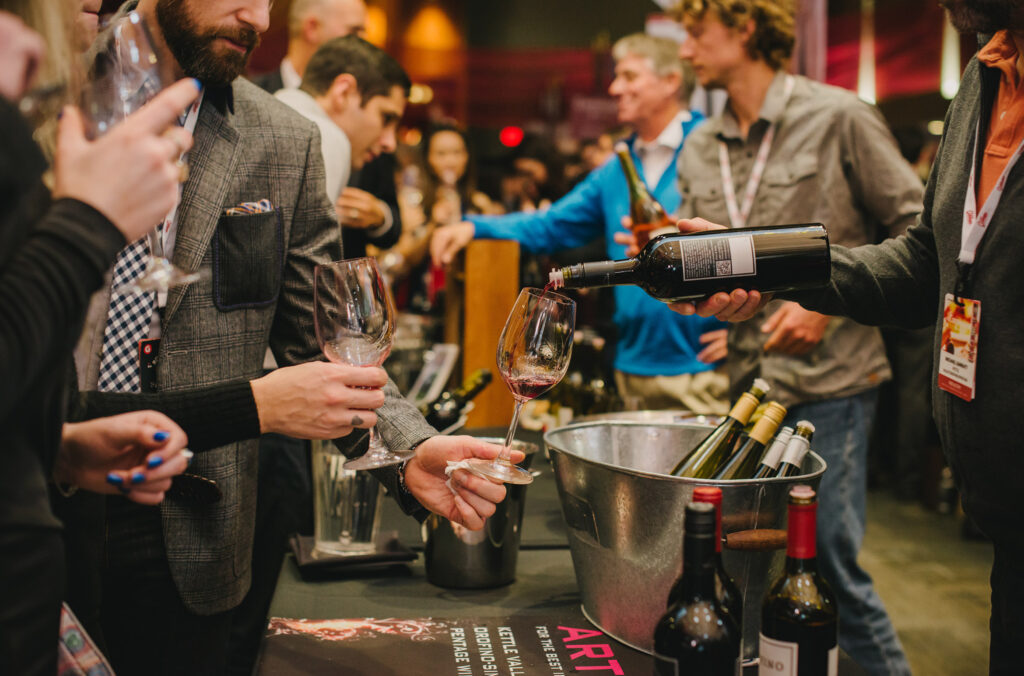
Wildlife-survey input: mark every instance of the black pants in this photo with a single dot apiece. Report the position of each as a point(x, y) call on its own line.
point(148, 630)
point(31, 589)
point(1007, 623)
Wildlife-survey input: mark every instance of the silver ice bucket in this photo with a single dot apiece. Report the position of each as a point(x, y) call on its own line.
point(625, 523)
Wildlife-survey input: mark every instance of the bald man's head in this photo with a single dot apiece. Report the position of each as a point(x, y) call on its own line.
point(317, 21)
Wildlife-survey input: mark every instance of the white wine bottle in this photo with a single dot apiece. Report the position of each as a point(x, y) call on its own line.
point(799, 617)
point(743, 462)
point(797, 448)
point(710, 453)
point(686, 267)
point(647, 214)
point(772, 457)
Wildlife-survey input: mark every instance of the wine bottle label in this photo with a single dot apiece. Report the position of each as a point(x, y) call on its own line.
point(782, 658)
point(776, 658)
point(716, 257)
point(665, 666)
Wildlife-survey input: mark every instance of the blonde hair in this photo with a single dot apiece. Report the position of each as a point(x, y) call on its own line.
point(774, 24)
point(54, 20)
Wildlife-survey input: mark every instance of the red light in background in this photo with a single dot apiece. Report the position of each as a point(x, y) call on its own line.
point(510, 137)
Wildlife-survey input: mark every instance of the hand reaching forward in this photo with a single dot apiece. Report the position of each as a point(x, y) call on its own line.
point(476, 497)
point(319, 400)
point(737, 306)
point(134, 453)
point(449, 240)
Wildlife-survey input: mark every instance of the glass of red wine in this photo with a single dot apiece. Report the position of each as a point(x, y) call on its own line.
point(354, 318)
point(533, 355)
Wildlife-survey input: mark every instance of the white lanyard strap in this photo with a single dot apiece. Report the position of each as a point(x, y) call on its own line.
point(976, 222)
point(738, 215)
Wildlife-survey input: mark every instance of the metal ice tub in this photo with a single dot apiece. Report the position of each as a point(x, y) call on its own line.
point(624, 518)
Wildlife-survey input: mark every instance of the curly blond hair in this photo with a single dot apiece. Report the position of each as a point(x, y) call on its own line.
point(774, 24)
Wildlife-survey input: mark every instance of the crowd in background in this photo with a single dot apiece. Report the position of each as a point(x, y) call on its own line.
point(255, 188)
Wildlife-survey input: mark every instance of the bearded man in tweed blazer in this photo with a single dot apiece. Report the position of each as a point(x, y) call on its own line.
point(173, 573)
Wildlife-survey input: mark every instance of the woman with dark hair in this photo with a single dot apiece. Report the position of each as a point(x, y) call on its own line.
point(448, 187)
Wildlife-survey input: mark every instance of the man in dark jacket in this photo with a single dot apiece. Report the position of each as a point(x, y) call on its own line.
point(964, 252)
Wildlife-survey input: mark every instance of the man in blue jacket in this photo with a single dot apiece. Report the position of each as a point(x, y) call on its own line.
point(660, 360)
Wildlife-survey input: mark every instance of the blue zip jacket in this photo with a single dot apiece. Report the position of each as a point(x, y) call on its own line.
point(653, 340)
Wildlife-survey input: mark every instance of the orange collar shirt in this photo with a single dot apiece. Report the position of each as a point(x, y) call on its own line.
point(1006, 129)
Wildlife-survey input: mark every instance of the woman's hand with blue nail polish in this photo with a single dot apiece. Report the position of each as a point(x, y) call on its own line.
point(135, 454)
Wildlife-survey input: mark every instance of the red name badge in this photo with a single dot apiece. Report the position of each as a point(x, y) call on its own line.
point(958, 347)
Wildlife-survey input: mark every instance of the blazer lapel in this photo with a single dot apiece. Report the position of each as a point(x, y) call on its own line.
point(211, 167)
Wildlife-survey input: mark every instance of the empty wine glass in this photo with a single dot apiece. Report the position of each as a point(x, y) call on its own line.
point(125, 74)
point(533, 355)
point(354, 318)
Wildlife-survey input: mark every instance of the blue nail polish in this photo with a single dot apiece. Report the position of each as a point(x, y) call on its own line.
point(161, 436)
point(138, 478)
point(198, 84)
point(155, 461)
point(114, 479)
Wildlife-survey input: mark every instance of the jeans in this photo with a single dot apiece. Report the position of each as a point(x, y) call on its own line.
point(842, 428)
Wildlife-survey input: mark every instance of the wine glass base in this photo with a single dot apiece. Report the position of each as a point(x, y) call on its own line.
point(374, 460)
point(496, 470)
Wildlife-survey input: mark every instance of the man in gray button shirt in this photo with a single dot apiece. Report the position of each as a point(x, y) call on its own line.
point(790, 150)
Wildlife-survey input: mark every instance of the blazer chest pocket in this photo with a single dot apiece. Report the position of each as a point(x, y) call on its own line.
point(248, 260)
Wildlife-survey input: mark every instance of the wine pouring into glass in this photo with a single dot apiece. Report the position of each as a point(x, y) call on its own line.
point(354, 318)
point(124, 76)
point(533, 355)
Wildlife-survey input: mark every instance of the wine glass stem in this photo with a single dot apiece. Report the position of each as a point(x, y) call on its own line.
point(506, 451)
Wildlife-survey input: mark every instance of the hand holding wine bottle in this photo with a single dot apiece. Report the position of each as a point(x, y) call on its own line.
point(736, 306)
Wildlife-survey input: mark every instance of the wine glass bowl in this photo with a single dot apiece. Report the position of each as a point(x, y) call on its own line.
point(354, 320)
point(533, 355)
point(124, 75)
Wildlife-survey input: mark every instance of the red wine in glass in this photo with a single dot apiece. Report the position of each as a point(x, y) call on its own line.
point(530, 387)
point(533, 355)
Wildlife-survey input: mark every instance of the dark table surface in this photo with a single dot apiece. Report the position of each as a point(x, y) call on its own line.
point(545, 585)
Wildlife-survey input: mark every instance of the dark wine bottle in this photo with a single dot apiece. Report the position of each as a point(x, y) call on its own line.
point(696, 636)
point(770, 462)
point(797, 447)
point(647, 214)
point(726, 591)
point(799, 619)
point(678, 267)
point(742, 463)
point(710, 453)
point(446, 410)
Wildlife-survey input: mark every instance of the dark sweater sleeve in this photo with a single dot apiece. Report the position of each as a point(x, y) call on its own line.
point(895, 283)
point(45, 286)
point(211, 416)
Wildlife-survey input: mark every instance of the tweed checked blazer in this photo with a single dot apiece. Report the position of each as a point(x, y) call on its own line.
point(257, 291)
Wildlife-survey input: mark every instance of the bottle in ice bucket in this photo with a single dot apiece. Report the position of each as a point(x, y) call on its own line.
point(686, 267)
point(797, 448)
point(742, 463)
point(799, 619)
point(770, 461)
point(697, 636)
point(709, 454)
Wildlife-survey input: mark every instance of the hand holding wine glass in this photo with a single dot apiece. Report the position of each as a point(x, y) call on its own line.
point(354, 318)
point(125, 75)
point(533, 355)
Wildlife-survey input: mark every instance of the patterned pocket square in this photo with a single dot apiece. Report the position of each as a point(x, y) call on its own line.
point(261, 207)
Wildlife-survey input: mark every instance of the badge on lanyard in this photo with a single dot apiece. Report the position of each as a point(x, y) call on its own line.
point(149, 350)
point(958, 347)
